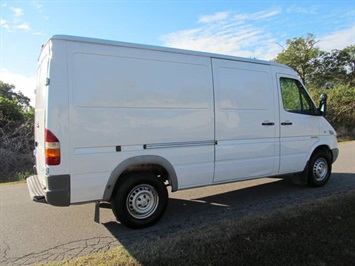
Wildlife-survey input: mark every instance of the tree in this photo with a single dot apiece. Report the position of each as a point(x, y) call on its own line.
point(335, 67)
point(16, 133)
point(300, 55)
point(13, 105)
point(348, 55)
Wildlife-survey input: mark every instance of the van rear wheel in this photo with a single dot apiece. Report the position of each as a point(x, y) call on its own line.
point(140, 200)
point(319, 170)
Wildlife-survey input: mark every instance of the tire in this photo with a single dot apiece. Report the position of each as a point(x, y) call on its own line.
point(140, 200)
point(319, 169)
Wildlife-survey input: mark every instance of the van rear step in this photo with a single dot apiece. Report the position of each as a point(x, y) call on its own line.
point(35, 189)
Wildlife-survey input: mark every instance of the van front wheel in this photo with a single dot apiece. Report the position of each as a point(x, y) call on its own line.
point(140, 200)
point(319, 169)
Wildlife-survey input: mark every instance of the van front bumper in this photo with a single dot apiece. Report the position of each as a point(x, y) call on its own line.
point(57, 193)
point(335, 153)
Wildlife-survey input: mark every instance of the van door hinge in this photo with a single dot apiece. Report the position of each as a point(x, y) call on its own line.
point(48, 81)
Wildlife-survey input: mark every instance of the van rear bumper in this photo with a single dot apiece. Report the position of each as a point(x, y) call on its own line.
point(57, 193)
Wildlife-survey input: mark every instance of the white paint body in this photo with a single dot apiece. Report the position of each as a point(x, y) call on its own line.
point(201, 112)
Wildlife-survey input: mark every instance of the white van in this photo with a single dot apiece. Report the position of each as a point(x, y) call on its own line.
point(120, 122)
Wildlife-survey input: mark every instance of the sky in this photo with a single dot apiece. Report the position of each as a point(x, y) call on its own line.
point(253, 29)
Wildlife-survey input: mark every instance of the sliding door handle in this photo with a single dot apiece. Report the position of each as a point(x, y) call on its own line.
point(266, 123)
point(287, 123)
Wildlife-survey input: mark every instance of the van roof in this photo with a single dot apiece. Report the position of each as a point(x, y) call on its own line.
point(164, 49)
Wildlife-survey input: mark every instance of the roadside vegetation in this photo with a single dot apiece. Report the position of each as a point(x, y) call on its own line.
point(317, 233)
point(330, 72)
point(16, 134)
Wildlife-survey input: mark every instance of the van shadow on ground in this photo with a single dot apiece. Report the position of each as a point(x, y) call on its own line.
point(199, 212)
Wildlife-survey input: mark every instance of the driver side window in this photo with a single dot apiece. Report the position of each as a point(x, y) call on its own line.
point(295, 98)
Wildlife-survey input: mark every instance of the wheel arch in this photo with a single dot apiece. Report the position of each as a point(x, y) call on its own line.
point(319, 168)
point(302, 177)
point(322, 147)
point(140, 163)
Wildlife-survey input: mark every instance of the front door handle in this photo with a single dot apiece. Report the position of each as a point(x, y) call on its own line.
point(287, 123)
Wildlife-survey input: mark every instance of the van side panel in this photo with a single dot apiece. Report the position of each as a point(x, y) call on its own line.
point(246, 121)
point(127, 102)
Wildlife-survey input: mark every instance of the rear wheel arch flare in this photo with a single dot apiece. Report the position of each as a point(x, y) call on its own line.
point(143, 160)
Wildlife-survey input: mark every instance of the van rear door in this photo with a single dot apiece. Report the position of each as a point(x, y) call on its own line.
point(40, 112)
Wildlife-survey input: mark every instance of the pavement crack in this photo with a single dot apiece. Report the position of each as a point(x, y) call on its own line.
point(4, 251)
point(64, 251)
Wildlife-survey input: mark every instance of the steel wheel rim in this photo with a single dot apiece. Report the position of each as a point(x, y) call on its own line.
point(142, 201)
point(320, 169)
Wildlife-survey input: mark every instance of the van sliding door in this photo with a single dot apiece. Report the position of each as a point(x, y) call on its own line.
point(247, 129)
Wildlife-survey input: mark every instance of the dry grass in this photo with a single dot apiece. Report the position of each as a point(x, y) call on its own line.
point(318, 233)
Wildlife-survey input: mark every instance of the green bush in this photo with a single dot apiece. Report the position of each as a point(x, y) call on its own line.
point(16, 134)
point(341, 109)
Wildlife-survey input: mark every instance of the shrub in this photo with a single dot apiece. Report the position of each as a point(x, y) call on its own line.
point(16, 134)
point(341, 108)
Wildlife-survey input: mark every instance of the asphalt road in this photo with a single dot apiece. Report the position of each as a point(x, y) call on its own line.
point(37, 233)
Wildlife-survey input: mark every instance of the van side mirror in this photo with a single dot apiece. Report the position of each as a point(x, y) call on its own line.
point(323, 104)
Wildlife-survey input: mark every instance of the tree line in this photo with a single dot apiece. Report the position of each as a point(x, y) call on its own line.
point(331, 72)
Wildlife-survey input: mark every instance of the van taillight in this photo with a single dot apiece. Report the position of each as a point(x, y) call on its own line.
point(52, 146)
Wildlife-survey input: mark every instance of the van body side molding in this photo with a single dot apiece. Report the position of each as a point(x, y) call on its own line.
point(179, 144)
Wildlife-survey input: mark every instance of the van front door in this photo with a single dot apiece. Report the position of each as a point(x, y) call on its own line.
point(299, 127)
